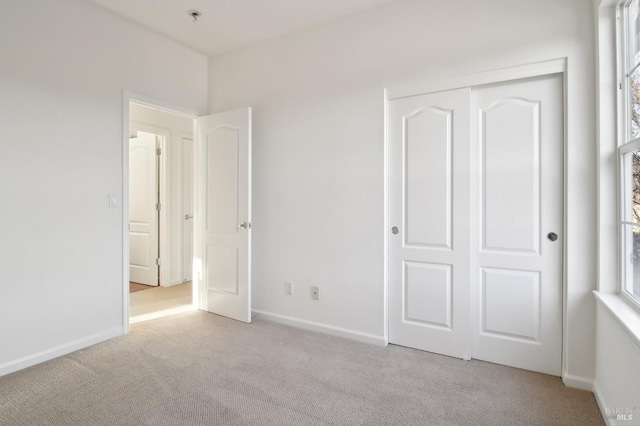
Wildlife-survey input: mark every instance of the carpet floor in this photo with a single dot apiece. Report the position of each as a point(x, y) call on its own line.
point(200, 369)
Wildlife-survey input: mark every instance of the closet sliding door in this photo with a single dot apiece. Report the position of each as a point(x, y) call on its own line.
point(475, 216)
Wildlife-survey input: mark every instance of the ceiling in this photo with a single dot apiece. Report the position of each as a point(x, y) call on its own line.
point(231, 24)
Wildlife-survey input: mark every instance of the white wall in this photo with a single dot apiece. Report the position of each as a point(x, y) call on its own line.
point(617, 379)
point(177, 127)
point(319, 156)
point(63, 68)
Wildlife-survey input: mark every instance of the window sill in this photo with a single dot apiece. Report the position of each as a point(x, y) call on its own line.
point(624, 314)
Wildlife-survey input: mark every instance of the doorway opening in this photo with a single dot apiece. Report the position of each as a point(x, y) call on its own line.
point(215, 168)
point(160, 212)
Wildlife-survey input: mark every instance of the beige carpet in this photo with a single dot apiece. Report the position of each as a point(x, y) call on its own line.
point(201, 369)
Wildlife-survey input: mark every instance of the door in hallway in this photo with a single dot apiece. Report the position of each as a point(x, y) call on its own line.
point(143, 213)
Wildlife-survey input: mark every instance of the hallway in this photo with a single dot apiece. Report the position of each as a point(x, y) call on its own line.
point(158, 302)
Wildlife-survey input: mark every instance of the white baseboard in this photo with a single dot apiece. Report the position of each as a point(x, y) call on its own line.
point(602, 405)
point(52, 353)
point(323, 328)
point(577, 382)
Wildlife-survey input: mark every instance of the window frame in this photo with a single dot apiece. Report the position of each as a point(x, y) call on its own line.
point(625, 144)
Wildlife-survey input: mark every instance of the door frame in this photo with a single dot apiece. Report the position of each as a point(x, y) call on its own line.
point(127, 98)
point(539, 69)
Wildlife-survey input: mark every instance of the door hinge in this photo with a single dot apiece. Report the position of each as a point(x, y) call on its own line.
point(158, 206)
point(158, 262)
point(158, 151)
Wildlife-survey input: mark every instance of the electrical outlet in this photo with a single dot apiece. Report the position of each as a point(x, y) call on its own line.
point(315, 293)
point(288, 288)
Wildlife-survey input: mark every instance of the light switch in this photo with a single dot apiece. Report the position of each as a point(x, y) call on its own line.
point(113, 200)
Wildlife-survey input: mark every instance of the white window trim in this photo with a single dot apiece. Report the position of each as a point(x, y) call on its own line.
point(624, 146)
point(608, 100)
point(608, 130)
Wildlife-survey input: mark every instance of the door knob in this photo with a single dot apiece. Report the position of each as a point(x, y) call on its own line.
point(552, 236)
point(187, 217)
point(394, 230)
point(244, 225)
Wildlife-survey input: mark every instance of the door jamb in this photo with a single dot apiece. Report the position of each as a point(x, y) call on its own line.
point(539, 69)
point(127, 98)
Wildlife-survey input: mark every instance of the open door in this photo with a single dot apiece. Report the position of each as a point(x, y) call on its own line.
point(223, 214)
point(143, 213)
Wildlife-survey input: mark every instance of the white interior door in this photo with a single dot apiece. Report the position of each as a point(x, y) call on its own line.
point(143, 215)
point(187, 208)
point(517, 209)
point(429, 220)
point(223, 213)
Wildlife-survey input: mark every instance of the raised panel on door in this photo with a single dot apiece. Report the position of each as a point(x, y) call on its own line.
point(510, 303)
point(428, 294)
point(222, 146)
point(510, 165)
point(222, 273)
point(429, 204)
point(517, 279)
point(428, 140)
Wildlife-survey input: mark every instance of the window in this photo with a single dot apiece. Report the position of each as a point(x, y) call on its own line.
point(629, 150)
